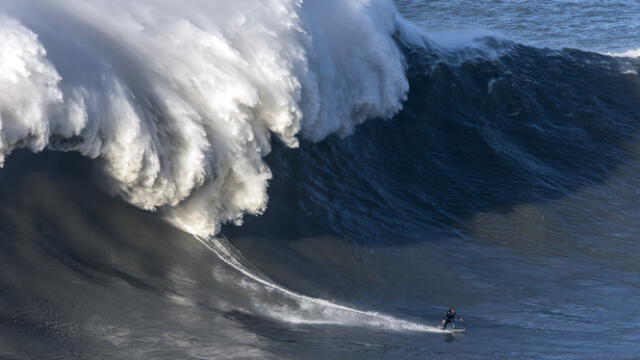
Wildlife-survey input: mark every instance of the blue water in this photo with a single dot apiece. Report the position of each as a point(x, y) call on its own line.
point(507, 186)
point(594, 25)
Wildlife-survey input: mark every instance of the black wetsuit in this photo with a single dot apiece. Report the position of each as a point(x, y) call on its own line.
point(449, 317)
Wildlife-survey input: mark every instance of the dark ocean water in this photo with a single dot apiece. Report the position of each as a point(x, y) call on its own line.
point(506, 187)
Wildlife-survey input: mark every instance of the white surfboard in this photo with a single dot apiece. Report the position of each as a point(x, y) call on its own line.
point(454, 331)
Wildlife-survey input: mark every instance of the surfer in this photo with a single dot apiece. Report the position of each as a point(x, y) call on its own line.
point(450, 317)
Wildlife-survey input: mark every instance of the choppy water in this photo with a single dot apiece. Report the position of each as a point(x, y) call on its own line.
point(594, 25)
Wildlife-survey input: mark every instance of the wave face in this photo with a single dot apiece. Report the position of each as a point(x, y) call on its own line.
point(477, 136)
point(180, 101)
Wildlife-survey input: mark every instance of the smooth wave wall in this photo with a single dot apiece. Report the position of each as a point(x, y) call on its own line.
point(179, 101)
point(482, 135)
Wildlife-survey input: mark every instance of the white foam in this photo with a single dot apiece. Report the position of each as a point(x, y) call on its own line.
point(181, 98)
point(28, 89)
point(628, 53)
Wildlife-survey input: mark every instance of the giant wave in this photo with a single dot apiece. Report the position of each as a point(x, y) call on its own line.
point(180, 102)
point(505, 183)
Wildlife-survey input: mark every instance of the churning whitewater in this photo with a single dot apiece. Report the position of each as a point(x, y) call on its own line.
point(179, 101)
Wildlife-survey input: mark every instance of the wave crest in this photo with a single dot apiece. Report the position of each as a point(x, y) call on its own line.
point(180, 100)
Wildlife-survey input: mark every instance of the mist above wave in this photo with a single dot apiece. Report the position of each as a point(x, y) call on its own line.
point(180, 100)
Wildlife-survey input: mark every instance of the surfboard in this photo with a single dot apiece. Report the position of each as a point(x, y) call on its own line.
point(454, 331)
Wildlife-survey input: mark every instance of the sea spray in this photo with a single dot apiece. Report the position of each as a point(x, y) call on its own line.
point(180, 101)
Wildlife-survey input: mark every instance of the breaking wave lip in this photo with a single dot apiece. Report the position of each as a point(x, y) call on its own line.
point(180, 102)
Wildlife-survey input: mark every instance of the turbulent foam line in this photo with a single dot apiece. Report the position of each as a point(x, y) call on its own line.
point(315, 311)
point(629, 53)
